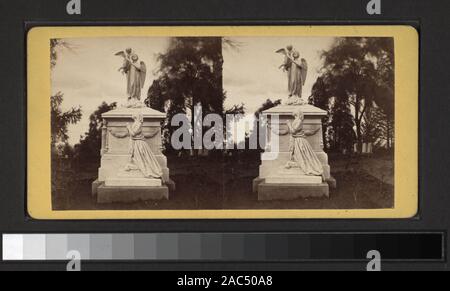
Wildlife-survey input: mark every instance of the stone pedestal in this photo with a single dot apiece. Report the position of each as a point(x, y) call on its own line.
point(275, 182)
point(114, 184)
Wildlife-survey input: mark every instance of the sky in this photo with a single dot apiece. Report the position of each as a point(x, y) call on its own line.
point(87, 73)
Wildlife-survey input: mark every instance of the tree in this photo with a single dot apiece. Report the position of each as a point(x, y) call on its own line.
point(60, 120)
point(383, 50)
point(342, 135)
point(378, 128)
point(255, 133)
point(320, 98)
point(88, 150)
point(190, 74)
point(55, 45)
point(237, 111)
point(266, 106)
point(357, 72)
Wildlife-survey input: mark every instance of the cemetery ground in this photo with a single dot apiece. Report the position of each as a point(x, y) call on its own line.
point(208, 183)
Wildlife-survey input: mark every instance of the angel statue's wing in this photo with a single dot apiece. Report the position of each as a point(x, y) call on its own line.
point(121, 54)
point(304, 71)
point(282, 51)
point(143, 73)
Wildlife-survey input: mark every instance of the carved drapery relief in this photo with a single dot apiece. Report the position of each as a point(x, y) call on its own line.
point(281, 129)
point(120, 133)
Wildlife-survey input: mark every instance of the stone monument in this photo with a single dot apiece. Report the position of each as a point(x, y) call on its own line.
point(300, 168)
point(133, 167)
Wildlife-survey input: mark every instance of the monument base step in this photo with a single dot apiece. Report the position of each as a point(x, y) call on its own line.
point(95, 186)
point(132, 182)
point(332, 182)
point(256, 183)
point(107, 194)
point(267, 192)
point(294, 179)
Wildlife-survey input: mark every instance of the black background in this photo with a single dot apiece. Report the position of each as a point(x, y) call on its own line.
point(431, 18)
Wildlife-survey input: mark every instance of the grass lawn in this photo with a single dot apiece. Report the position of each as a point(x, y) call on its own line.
point(202, 184)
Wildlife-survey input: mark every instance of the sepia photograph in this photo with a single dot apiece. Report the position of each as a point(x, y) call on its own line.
point(238, 138)
point(222, 123)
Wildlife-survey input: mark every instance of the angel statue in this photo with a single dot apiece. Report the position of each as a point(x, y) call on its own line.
point(297, 71)
point(136, 73)
point(302, 155)
point(142, 157)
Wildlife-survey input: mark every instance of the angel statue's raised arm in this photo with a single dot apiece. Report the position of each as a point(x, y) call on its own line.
point(287, 52)
point(126, 60)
